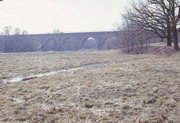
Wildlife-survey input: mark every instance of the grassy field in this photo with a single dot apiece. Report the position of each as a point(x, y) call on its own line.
point(13, 65)
point(142, 89)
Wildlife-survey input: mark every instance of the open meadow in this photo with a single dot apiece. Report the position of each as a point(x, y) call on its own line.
point(116, 88)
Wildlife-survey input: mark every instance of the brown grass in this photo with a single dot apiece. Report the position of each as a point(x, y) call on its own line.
point(144, 90)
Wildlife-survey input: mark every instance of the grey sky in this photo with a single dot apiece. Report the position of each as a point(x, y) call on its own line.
point(42, 16)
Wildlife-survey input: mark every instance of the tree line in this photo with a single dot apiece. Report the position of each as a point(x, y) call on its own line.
point(147, 18)
point(16, 40)
point(11, 39)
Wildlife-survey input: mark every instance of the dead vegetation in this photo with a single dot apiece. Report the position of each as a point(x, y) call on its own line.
point(145, 90)
point(25, 64)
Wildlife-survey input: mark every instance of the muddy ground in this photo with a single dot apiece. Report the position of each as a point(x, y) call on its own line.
point(143, 90)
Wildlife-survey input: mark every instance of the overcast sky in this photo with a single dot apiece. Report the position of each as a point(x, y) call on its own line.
point(42, 16)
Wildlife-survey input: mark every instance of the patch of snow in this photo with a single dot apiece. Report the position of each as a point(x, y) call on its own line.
point(16, 79)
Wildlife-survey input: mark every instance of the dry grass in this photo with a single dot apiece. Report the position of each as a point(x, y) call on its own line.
point(144, 90)
point(13, 65)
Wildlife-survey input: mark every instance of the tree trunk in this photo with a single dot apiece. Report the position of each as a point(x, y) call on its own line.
point(174, 24)
point(175, 38)
point(169, 41)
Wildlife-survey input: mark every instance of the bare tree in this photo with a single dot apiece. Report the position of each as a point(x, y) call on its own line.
point(174, 10)
point(17, 38)
point(7, 30)
point(134, 39)
point(56, 31)
point(22, 44)
point(7, 38)
point(13, 39)
point(24, 32)
point(159, 16)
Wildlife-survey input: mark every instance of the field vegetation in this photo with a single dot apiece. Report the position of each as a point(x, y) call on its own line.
point(144, 88)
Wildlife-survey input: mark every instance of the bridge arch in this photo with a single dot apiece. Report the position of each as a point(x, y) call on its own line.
point(69, 43)
point(90, 42)
point(48, 45)
point(110, 43)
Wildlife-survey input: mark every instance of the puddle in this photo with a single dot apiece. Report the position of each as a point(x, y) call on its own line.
point(15, 79)
point(18, 79)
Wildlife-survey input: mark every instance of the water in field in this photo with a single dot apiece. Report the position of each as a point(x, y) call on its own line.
point(18, 79)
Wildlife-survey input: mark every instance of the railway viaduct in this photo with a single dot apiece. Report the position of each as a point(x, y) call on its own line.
point(73, 41)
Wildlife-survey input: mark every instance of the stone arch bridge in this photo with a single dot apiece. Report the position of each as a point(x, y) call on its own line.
point(73, 41)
